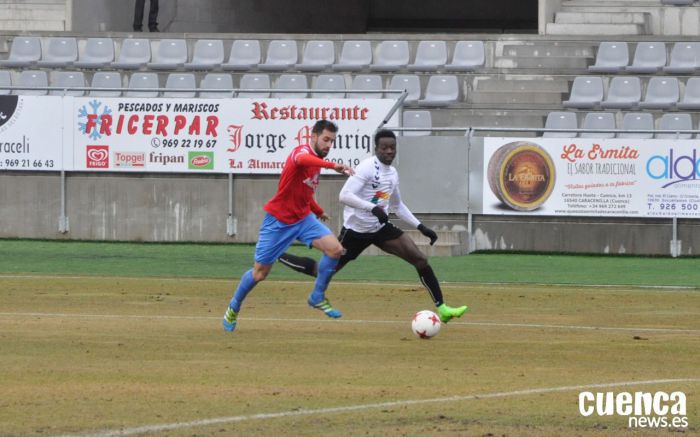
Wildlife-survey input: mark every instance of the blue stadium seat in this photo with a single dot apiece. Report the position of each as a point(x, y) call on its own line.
point(291, 82)
point(560, 120)
point(598, 120)
point(684, 58)
point(364, 82)
point(254, 81)
point(408, 82)
point(417, 119)
point(662, 93)
point(139, 81)
point(691, 96)
point(68, 79)
point(32, 78)
point(675, 122)
point(467, 56)
point(649, 57)
point(180, 81)
point(637, 121)
point(106, 79)
point(442, 90)
point(623, 93)
point(328, 82)
point(586, 92)
point(612, 57)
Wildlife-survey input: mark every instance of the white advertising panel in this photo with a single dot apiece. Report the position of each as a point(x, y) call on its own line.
point(592, 177)
point(215, 135)
point(31, 129)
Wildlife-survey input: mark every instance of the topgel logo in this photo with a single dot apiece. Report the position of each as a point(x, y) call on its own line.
point(643, 409)
point(674, 168)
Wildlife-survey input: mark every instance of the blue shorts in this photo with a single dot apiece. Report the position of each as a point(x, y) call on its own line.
point(276, 237)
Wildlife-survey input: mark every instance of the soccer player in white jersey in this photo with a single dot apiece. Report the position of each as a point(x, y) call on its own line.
point(368, 197)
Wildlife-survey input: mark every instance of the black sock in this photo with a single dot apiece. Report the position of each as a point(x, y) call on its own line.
point(430, 282)
point(299, 263)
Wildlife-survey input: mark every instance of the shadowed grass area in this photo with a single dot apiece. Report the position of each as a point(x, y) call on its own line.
point(230, 261)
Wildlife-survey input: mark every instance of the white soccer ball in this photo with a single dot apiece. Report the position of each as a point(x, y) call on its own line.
point(425, 324)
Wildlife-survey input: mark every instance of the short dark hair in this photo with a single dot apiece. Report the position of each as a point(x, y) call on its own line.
point(384, 133)
point(322, 125)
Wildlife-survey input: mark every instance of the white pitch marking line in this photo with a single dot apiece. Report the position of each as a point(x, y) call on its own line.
point(359, 407)
point(232, 281)
point(394, 322)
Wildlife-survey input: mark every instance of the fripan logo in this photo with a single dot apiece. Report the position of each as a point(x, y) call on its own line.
point(97, 156)
point(129, 159)
point(8, 105)
point(642, 409)
point(200, 160)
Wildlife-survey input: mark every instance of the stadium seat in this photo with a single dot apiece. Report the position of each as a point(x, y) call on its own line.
point(355, 56)
point(675, 122)
point(649, 57)
point(467, 56)
point(291, 82)
point(181, 81)
point(637, 121)
point(318, 56)
point(441, 90)
point(32, 78)
point(430, 56)
point(328, 82)
point(560, 120)
point(134, 54)
point(612, 57)
point(245, 55)
point(598, 120)
point(281, 55)
point(364, 82)
point(677, 2)
point(170, 55)
point(684, 58)
point(586, 92)
point(67, 79)
point(417, 119)
point(408, 82)
point(254, 81)
point(623, 93)
point(691, 96)
point(98, 53)
point(140, 81)
point(390, 56)
point(60, 53)
point(208, 55)
point(217, 82)
point(5, 82)
point(24, 52)
point(106, 79)
point(662, 93)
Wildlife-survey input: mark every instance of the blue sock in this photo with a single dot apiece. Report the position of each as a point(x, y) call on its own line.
point(247, 283)
point(326, 269)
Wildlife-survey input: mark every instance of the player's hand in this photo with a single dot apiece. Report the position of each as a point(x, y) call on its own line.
point(324, 217)
point(344, 169)
point(381, 215)
point(428, 233)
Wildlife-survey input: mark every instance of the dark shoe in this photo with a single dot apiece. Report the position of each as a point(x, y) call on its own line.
point(138, 29)
point(154, 29)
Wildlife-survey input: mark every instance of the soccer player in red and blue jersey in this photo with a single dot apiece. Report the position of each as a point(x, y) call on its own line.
point(293, 214)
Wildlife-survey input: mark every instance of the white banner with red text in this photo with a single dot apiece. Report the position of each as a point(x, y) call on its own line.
point(31, 133)
point(592, 177)
point(215, 135)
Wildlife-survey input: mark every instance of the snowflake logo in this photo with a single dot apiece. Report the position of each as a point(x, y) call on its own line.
point(98, 109)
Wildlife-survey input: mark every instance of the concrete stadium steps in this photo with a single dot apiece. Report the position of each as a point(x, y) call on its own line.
point(33, 15)
point(624, 17)
point(520, 90)
point(449, 243)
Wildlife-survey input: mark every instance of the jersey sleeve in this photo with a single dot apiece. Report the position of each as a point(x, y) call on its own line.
point(316, 208)
point(399, 208)
point(305, 159)
point(350, 193)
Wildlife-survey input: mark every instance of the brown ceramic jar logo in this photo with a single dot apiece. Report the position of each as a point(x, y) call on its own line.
point(521, 174)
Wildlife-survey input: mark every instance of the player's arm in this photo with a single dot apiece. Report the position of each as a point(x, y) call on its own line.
point(317, 210)
point(307, 160)
point(401, 210)
point(349, 196)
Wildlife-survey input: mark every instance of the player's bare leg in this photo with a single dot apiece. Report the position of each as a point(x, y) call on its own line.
point(406, 249)
point(332, 251)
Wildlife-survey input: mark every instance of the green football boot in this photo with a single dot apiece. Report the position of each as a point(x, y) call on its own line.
point(447, 313)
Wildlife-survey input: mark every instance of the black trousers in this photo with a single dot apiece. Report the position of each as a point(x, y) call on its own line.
point(152, 14)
